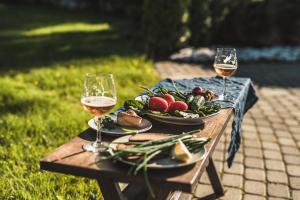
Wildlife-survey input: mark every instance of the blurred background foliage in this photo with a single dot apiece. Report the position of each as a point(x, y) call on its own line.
point(174, 24)
point(45, 51)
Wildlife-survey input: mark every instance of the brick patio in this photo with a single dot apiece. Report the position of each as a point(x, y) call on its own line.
point(267, 165)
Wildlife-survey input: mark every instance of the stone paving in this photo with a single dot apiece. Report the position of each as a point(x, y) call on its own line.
point(267, 165)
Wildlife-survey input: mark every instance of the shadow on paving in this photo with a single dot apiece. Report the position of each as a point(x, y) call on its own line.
point(270, 74)
point(208, 197)
point(39, 36)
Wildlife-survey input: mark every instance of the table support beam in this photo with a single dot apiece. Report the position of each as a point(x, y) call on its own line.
point(214, 178)
point(110, 190)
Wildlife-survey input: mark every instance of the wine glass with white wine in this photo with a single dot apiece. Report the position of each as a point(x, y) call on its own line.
point(225, 65)
point(98, 97)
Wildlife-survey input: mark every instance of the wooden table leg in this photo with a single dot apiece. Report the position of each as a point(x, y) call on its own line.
point(162, 194)
point(214, 178)
point(110, 189)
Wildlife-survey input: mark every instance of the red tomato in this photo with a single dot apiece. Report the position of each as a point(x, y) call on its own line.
point(158, 104)
point(198, 91)
point(178, 105)
point(169, 98)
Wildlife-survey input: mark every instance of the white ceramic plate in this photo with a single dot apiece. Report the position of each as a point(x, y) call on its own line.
point(122, 130)
point(160, 163)
point(180, 120)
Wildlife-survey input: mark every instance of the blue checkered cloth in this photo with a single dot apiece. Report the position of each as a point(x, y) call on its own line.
point(242, 97)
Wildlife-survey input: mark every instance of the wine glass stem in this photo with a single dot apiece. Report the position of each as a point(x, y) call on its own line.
point(224, 90)
point(99, 125)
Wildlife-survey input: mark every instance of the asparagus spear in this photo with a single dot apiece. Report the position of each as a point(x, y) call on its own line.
point(146, 151)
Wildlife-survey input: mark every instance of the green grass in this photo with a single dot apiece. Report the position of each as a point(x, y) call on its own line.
point(44, 55)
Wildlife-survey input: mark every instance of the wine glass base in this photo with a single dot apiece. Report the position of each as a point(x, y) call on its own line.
point(221, 98)
point(95, 147)
point(224, 98)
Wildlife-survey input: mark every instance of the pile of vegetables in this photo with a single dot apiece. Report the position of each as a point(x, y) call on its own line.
point(144, 152)
point(161, 101)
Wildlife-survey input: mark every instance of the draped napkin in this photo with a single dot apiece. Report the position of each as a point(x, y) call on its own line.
point(242, 97)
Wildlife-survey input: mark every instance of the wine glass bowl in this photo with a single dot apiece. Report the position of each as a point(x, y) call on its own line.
point(97, 105)
point(225, 65)
point(98, 98)
point(225, 70)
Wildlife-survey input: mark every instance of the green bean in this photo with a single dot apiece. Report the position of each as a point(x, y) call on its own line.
point(146, 161)
point(147, 181)
point(169, 138)
point(146, 151)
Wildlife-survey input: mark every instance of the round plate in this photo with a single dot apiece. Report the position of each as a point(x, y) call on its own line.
point(123, 130)
point(180, 120)
point(160, 163)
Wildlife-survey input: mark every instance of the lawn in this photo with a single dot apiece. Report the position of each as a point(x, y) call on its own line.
point(44, 55)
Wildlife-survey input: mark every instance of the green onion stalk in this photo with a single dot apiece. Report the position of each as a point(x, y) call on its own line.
point(146, 151)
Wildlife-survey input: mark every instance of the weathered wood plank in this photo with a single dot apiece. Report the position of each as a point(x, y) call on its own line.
point(71, 159)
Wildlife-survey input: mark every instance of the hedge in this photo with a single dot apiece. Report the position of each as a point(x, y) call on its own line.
point(163, 26)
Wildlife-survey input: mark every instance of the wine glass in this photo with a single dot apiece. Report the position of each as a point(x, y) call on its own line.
point(225, 65)
point(98, 97)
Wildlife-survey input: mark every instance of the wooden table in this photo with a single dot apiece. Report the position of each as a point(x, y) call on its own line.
point(71, 159)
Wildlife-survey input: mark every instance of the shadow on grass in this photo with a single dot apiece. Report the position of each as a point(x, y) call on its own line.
point(40, 36)
point(17, 107)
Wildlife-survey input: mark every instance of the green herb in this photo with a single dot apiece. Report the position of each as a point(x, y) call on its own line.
point(179, 93)
point(177, 96)
point(162, 90)
point(199, 106)
point(189, 99)
point(108, 123)
point(159, 113)
point(148, 92)
point(186, 114)
point(135, 104)
point(129, 130)
point(197, 103)
point(211, 108)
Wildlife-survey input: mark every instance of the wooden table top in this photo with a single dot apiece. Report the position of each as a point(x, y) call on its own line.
point(71, 159)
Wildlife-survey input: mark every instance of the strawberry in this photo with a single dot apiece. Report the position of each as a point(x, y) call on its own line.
point(158, 104)
point(178, 105)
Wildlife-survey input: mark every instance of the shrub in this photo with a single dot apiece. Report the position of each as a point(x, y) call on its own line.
point(200, 22)
point(163, 26)
point(134, 12)
point(241, 23)
point(284, 20)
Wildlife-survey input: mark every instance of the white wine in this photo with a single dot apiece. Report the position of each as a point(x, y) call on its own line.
point(98, 105)
point(225, 69)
